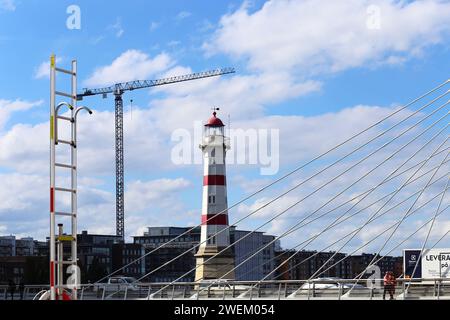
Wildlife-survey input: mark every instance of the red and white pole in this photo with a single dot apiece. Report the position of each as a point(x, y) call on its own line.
point(52, 248)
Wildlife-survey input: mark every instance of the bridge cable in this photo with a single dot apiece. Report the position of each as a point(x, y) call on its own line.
point(372, 219)
point(406, 239)
point(403, 218)
point(302, 198)
point(299, 168)
point(355, 230)
point(337, 220)
point(383, 232)
point(388, 178)
point(428, 235)
point(391, 235)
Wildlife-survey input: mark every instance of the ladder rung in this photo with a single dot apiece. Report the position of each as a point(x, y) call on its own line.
point(67, 166)
point(65, 142)
point(64, 262)
point(64, 214)
point(63, 94)
point(65, 238)
point(65, 118)
point(65, 190)
point(65, 71)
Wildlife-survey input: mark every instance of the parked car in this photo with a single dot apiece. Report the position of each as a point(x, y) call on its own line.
point(218, 286)
point(118, 283)
point(323, 284)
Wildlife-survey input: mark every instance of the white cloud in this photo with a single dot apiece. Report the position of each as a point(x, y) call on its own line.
point(142, 195)
point(32, 156)
point(131, 65)
point(43, 70)
point(7, 5)
point(96, 40)
point(117, 28)
point(19, 193)
point(8, 107)
point(243, 96)
point(153, 26)
point(320, 37)
point(183, 15)
point(141, 139)
point(24, 204)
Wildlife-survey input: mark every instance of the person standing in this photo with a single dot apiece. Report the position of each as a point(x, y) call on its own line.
point(389, 285)
point(21, 289)
point(11, 288)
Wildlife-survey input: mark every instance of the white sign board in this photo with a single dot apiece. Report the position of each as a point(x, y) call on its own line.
point(435, 263)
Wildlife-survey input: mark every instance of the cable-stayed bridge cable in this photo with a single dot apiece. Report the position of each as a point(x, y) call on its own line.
point(389, 177)
point(365, 194)
point(404, 217)
point(365, 158)
point(340, 193)
point(299, 168)
point(355, 230)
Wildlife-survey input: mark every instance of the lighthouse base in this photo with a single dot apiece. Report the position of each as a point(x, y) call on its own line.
point(216, 268)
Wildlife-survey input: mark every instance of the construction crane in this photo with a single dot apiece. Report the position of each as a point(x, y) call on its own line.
point(118, 90)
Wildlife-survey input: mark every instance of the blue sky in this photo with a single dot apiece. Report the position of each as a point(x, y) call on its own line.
point(314, 71)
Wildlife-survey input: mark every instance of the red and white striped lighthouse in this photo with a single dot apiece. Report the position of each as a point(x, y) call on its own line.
point(214, 206)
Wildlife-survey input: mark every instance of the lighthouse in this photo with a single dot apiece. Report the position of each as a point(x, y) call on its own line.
point(214, 206)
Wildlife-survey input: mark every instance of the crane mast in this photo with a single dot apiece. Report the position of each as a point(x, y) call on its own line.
point(118, 90)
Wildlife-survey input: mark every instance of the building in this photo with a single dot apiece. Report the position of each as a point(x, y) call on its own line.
point(7, 246)
point(99, 255)
point(25, 247)
point(388, 263)
point(21, 269)
point(249, 242)
point(262, 263)
point(303, 265)
point(94, 255)
point(154, 238)
point(126, 254)
point(10, 246)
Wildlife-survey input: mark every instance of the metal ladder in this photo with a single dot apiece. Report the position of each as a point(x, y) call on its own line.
point(57, 287)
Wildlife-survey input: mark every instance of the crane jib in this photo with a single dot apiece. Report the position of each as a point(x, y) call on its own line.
point(141, 84)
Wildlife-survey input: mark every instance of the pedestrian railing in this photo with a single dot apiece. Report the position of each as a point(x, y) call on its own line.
point(325, 289)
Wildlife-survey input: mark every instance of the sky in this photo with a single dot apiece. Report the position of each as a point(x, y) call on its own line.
point(311, 72)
